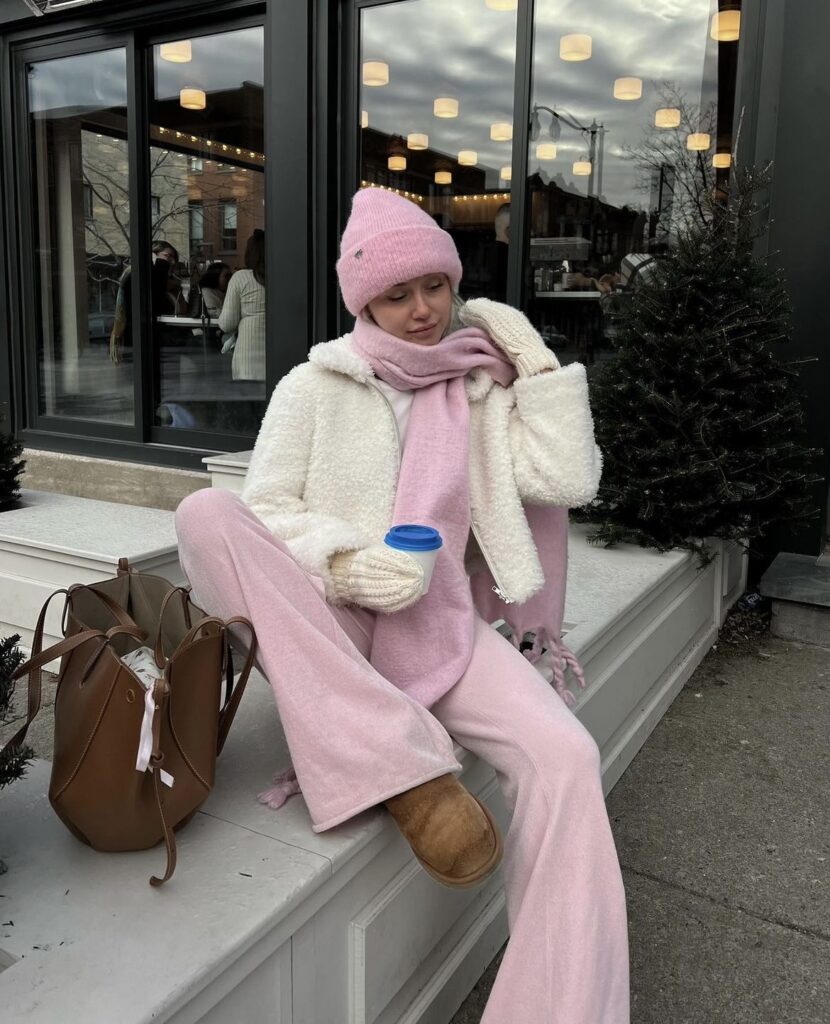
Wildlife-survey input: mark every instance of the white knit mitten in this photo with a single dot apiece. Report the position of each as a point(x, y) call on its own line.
point(377, 577)
point(512, 332)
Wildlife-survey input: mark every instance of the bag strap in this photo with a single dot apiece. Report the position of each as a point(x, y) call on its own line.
point(115, 609)
point(33, 668)
point(229, 711)
point(158, 648)
point(161, 691)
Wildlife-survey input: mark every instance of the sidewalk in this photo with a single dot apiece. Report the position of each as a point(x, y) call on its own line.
point(722, 825)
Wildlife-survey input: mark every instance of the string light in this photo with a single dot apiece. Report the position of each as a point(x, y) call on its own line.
point(207, 143)
point(397, 191)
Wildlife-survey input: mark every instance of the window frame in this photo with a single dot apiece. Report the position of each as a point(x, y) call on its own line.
point(137, 33)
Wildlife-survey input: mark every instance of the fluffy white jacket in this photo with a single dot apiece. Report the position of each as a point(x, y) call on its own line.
point(325, 465)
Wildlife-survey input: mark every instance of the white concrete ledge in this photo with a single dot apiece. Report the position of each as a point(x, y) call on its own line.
point(267, 921)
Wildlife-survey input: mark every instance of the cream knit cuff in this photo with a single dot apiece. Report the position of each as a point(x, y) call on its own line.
point(377, 577)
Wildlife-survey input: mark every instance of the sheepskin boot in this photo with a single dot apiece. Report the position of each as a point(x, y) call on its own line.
point(451, 833)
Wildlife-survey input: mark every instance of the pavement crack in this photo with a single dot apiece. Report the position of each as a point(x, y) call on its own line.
point(724, 905)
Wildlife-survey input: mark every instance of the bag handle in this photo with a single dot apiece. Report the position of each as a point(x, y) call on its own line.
point(158, 648)
point(40, 658)
point(229, 711)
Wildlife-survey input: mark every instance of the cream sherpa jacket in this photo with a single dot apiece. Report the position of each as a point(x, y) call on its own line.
point(325, 465)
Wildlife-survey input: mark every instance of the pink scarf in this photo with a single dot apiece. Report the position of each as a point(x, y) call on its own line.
point(433, 490)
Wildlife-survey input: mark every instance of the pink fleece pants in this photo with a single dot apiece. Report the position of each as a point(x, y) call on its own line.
point(355, 740)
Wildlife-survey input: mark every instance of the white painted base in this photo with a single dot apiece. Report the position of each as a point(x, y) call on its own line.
point(267, 921)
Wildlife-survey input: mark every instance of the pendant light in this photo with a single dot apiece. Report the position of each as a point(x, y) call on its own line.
point(443, 177)
point(375, 72)
point(501, 131)
point(582, 168)
point(667, 117)
point(501, 5)
point(445, 106)
point(698, 141)
point(726, 24)
point(575, 47)
point(722, 160)
point(628, 88)
point(396, 163)
point(417, 140)
point(193, 99)
point(506, 173)
point(546, 151)
point(364, 118)
point(468, 157)
point(180, 52)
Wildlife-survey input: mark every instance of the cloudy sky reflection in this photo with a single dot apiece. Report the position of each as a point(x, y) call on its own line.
point(466, 50)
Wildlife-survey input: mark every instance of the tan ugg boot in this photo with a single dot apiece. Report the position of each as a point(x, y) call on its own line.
point(451, 833)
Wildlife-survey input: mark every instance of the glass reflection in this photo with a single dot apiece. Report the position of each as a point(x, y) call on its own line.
point(436, 122)
point(630, 120)
point(78, 126)
point(208, 210)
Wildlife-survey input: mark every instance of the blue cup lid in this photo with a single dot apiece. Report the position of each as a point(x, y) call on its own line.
point(410, 537)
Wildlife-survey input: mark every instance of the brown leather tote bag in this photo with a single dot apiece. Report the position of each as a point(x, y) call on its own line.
point(103, 713)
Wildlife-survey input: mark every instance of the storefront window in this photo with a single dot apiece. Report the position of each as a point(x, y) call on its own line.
point(207, 170)
point(80, 182)
point(436, 121)
point(630, 126)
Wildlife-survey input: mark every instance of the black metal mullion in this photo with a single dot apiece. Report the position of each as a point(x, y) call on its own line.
point(7, 400)
point(25, 288)
point(288, 187)
point(138, 141)
point(519, 192)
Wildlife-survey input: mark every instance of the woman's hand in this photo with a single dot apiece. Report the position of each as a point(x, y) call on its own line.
point(378, 577)
point(513, 333)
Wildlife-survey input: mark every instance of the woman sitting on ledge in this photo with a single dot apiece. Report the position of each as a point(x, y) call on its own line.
point(450, 417)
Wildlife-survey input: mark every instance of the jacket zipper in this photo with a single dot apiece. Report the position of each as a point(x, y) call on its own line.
point(498, 589)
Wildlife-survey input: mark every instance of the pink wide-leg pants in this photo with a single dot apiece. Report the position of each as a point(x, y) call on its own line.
point(355, 740)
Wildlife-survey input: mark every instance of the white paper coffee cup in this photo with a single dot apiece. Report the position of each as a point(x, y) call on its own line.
point(421, 542)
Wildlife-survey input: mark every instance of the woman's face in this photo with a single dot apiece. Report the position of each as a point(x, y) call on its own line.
point(418, 310)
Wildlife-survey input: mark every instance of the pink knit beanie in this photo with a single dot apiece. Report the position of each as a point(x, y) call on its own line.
point(388, 240)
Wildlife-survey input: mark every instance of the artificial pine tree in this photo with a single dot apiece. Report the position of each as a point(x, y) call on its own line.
point(700, 425)
point(12, 762)
point(11, 467)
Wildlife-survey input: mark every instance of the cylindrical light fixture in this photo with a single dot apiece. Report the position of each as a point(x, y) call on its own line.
point(667, 117)
point(375, 72)
point(364, 118)
point(180, 52)
point(501, 131)
point(698, 141)
point(726, 24)
point(501, 5)
point(396, 163)
point(582, 168)
point(445, 106)
point(506, 173)
point(546, 151)
point(722, 160)
point(467, 157)
point(193, 99)
point(443, 177)
point(575, 47)
point(417, 140)
point(628, 88)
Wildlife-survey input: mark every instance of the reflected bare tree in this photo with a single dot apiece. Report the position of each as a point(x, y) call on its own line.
point(683, 178)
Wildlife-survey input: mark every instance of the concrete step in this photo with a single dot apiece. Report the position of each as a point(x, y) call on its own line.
point(799, 587)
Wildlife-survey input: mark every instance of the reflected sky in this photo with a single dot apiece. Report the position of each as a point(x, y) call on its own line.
point(466, 50)
point(95, 81)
